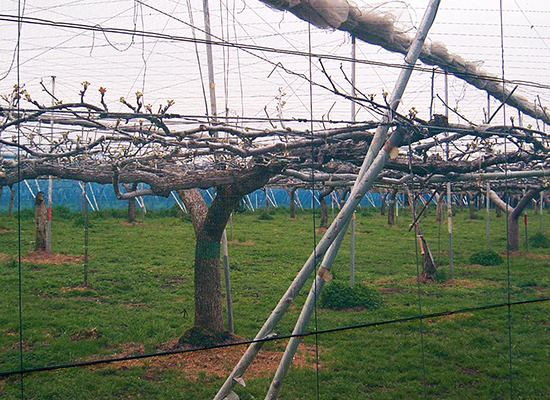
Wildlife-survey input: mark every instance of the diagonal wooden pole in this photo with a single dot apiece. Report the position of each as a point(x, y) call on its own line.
point(373, 163)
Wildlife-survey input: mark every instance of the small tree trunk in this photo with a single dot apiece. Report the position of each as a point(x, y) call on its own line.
point(343, 194)
point(323, 223)
point(40, 221)
point(131, 204)
point(266, 201)
point(439, 208)
point(292, 194)
point(513, 232)
point(12, 197)
point(514, 213)
point(383, 208)
point(471, 205)
point(391, 208)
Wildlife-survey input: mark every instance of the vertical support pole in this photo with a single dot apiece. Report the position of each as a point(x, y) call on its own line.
point(211, 83)
point(487, 216)
point(450, 226)
point(50, 183)
point(353, 56)
point(526, 233)
point(85, 215)
point(352, 250)
point(541, 202)
point(225, 255)
point(449, 194)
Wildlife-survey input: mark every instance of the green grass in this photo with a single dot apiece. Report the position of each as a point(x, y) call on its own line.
point(140, 296)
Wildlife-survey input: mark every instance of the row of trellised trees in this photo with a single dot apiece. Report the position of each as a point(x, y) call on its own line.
point(165, 152)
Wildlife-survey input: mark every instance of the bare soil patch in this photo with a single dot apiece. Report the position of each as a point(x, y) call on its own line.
point(41, 257)
point(217, 362)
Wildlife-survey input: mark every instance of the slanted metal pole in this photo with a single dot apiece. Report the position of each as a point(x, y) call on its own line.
point(372, 164)
point(303, 319)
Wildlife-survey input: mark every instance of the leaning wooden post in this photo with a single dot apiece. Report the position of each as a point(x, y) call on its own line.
point(373, 163)
point(225, 256)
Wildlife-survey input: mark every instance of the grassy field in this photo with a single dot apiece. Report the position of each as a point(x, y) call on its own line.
point(140, 292)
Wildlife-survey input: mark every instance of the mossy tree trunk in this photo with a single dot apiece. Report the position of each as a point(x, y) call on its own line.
point(209, 224)
point(40, 222)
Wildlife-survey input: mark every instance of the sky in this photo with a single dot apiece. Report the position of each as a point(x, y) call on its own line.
point(250, 82)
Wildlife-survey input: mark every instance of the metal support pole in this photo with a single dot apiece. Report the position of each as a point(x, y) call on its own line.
point(450, 226)
point(352, 251)
point(541, 202)
point(85, 215)
point(211, 83)
point(373, 163)
point(487, 216)
point(303, 319)
point(526, 233)
point(50, 183)
point(353, 56)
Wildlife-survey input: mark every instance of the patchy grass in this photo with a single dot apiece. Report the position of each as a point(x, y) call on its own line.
point(139, 300)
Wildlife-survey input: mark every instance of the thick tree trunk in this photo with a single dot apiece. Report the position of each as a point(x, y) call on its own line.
point(40, 222)
point(209, 224)
point(391, 208)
